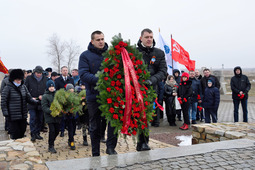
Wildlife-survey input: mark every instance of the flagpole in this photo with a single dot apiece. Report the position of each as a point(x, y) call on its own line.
point(172, 54)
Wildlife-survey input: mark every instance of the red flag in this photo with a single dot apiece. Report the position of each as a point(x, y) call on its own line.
point(182, 56)
point(3, 68)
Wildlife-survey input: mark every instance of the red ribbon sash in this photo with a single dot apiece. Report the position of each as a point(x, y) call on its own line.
point(129, 73)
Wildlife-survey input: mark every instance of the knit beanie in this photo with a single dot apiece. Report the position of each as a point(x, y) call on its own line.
point(69, 86)
point(50, 83)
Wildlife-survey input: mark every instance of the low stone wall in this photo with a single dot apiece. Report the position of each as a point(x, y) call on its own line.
point(20, 154)
point(214, 132)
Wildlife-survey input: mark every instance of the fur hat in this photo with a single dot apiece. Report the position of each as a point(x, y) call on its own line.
point(38, 69)
point(48, 69)
point(16, 74)
point(50, 83)
point(69, 86)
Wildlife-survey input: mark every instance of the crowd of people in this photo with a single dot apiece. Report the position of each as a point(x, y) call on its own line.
point(197, 97)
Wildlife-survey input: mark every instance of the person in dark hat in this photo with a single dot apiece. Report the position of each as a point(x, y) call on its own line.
point(54, 76)
point(53, 122)
point(29, 72)
point(14, 99)
point(48, 71)
point(36, 85)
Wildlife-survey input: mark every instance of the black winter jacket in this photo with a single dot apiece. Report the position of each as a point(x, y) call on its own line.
point(196, 88)
point(89, 64)
point(177, 79)
point(36, 89)
point(211, 97)
point(185, 90)
point(204, 81)
point(239, 83)
point(47, 99)
point(14, 101)
point(158, 69)
point(60, 82)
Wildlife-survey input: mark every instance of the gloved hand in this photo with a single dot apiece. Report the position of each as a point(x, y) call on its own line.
point(180, 100)
point(148, 83)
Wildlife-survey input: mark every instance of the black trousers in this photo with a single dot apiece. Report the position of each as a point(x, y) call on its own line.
point(17, 128)
point(95, 122)
point(142, 139)
point(185, 111)
point(71, 124)
point(170, 109)
point(53, 132)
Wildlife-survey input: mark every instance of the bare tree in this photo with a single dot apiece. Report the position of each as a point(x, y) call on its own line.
point(72, 52)
point(56, 50)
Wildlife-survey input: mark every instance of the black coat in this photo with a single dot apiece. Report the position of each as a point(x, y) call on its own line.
point(185, 90)
point(158, 69)
point(197, 89)
point(240, 83)
point(89, 64)
point(14, 101)
point(204, 81)
point(35, 88)
point(211, 97)
point(47, 99)
point(177, 79)
point(60, 82)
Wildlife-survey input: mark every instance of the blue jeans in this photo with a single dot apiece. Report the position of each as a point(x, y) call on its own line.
point(193, 110)
point(36, 121)
point(236, 108)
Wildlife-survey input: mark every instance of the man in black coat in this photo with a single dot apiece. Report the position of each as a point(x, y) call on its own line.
point(89, 64)
point(204, 80)
point(155, 59)
point(60, 83)
point(240, 86)
point(36, 85)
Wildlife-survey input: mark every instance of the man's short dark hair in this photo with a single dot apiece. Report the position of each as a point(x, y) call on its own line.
point(145, 30)
point(75, 70)
point(54, 74)
point(95, 32)
point(63, 67)
point(206, 69)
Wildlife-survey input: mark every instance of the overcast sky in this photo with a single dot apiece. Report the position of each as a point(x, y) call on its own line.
point(214, 32)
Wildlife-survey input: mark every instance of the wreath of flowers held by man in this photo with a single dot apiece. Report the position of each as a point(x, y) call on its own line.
point(111, 86)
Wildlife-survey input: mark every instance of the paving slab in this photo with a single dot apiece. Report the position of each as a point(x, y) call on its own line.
point(128, 159)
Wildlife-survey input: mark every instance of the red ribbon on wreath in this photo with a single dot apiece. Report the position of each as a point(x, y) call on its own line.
point(129, 73)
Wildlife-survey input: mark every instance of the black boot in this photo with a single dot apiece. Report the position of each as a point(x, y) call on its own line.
point(33, 138)
point(85, 142)
point(194, 122)
point(111, 151)
point(37, 136)
point(52, 149)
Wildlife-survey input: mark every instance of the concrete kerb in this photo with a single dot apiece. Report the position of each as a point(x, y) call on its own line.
point(152, 155)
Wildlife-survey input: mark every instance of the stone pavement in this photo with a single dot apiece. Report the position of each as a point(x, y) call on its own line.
point(20, 154)
point(233, 154)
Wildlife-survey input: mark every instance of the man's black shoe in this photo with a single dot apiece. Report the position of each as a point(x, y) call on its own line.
point(33, 138)
point(52, 149)
point(37, 136)
point(156, 125)
point(111, 151)
point(62, 134)
point(194, 122)
point(143, 147)
point(172, 124)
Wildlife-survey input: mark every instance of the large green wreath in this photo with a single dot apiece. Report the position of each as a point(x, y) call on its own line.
point(111, 86)
point(67, 102)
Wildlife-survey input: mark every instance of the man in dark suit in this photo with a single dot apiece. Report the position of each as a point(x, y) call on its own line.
point(60, 83)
